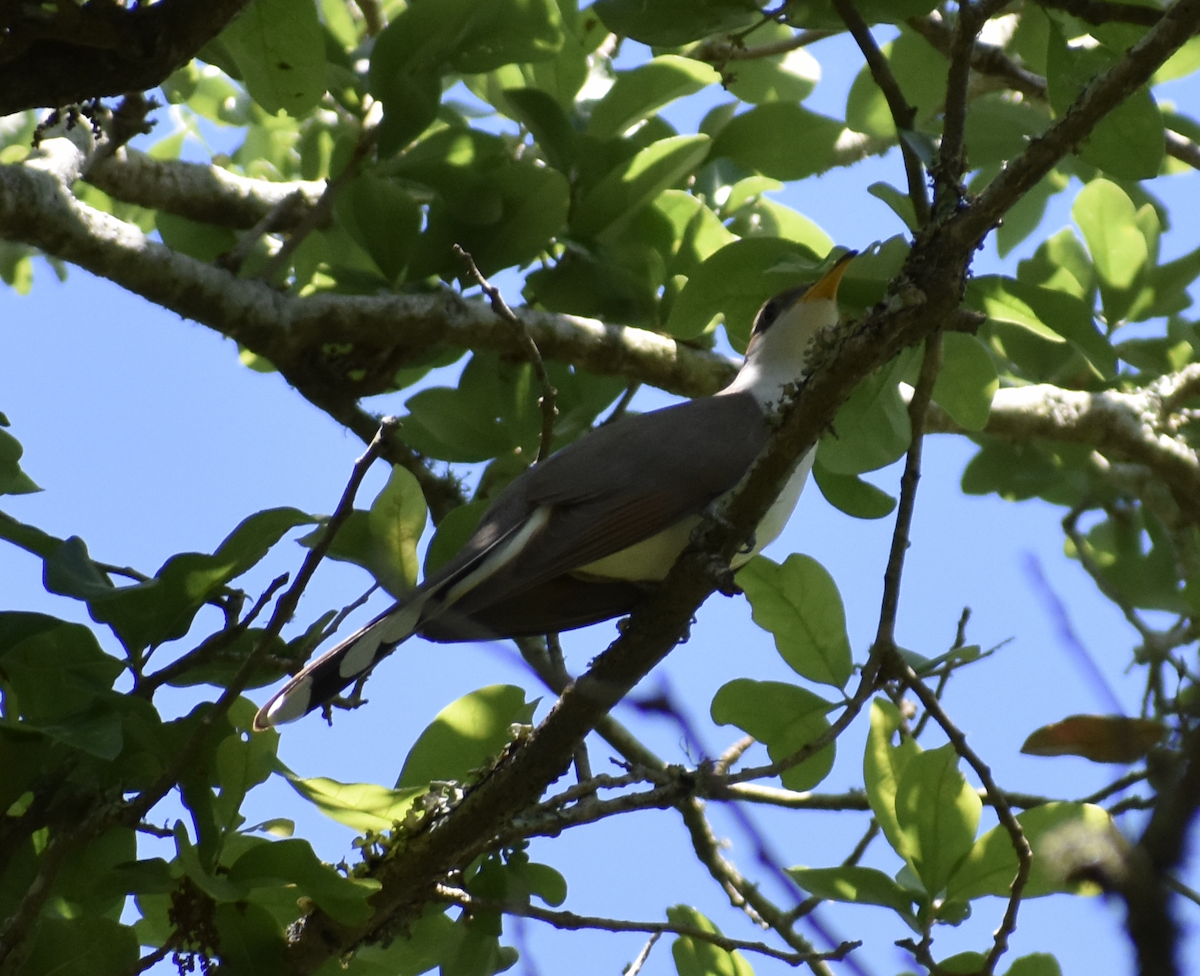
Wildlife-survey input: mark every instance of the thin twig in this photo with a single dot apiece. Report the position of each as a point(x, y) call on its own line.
point(1069, 638)
point(639, 961)
point(208, 648)
point(809, 904)
point(985, 58)
point(885, 637)
point(1003, 812)
point(622, 405)
point(532, 353)
point(1116, 786)
point(152, 959)
point(281, 216)
point(322, 210)
point(721, 51)
point(571, 921)
point(137, 808)
point(903, 114)
point(732, 755)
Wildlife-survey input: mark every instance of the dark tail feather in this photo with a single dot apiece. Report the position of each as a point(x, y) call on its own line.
point(324, 679)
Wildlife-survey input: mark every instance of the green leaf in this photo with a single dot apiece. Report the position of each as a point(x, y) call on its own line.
point(421, 947)
point(998, 129)
point(85, 879)
point(872, 428)
point(359, 806)
point(396, 521)
point(162, 608)
point(783, 717)
point(251, 939)
point(696, 958)
point(492, 412)
point(501, 209)
point(204, 242)
point(292, 862)
point(787, 77)
point(1129, 142)
point(852, 495)
point(383, 218)
point(899, 203)
point(1025, 216)
point(542, 115)
point(997, 297)
point(1035, 964)
point(639, 93)
point(734, 282)
point(858, 885)
point(780, 140)
point(604, 210)
point(280, 51)
point(454, 530)
point(670, 23)
point(465, 735)
point(799, 603)
point(938, 813)
point(1061, 263)
point(1061, 834)
point(1019, 471)
point(85, 946)
point(60, 682)
point(967, 382)
point(767, 218)
point(1047, 313)
point(1108, 220)
point(883, 766)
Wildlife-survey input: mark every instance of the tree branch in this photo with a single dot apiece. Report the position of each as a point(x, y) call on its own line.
point(573, 922)
point(1104, 93)
point(202, 192)
point(903, 114)
point(1110, 421)
point(82, 52)
point(379, 334)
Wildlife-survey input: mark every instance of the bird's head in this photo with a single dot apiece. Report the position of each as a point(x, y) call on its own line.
point(783, 328)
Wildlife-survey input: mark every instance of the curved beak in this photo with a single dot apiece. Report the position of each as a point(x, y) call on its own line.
point(827, 286)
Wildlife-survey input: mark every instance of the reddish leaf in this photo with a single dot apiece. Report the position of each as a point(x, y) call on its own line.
point(1100, 738)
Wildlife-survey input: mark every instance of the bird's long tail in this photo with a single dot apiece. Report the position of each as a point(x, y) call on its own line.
point(323, 679)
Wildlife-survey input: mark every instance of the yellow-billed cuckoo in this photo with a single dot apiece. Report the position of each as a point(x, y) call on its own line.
point(581, 536)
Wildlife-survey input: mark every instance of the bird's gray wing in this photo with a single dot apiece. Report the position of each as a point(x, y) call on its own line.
point(626, 482)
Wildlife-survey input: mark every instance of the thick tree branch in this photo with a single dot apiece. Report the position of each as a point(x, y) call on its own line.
point(205, 193)
point(66, 53)
point(1113, 422)
point(375, 335)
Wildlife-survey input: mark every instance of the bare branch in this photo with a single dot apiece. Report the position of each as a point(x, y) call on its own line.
point(572, 922)
point(903, 114)
point(532, 354)
point(133, 811)
point(1111, 421)
point(380, 334)
point(202, 192)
